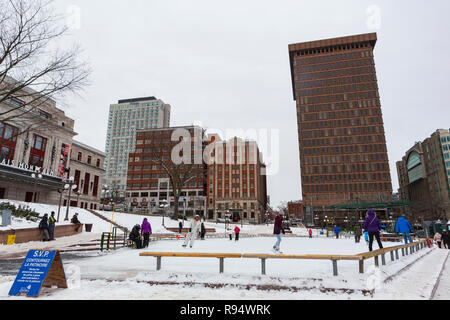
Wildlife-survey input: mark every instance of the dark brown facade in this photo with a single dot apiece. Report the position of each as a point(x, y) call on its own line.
point(424, 177)
point(342, 143)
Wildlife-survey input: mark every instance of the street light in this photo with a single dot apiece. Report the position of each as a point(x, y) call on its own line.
point(163, 205)
point(70, 185)
point(36, 176)
point(60, 191)
point(105, 190)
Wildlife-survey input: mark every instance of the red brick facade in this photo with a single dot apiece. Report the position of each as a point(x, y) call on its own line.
point(342, 143)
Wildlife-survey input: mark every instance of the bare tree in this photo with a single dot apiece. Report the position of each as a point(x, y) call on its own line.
point(33, 70)
point(179, 176)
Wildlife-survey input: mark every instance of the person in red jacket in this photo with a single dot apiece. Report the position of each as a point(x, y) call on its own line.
point(236, 231)
point(310, 233)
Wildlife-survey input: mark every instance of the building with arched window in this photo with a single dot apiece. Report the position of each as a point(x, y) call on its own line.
point(424, 177)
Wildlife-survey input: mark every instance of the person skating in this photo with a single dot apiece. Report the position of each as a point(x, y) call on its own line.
point(372, 225)
point(51, 226)
point(357, 231)
point(236, 232)
point(146, 230)
point(135, 236)
point(180, 227)
point(230, 233)
point(193, 231)
point(202, 231)
point(310, 232)
point(336, 231)
point(438, 239)
point(43, 226)
point(404, 227)
point(277, 229)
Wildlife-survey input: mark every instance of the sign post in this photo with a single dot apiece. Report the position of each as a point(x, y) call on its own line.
point(41, 268)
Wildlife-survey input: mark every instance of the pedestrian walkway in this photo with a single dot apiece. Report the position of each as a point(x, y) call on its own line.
point(443, 289)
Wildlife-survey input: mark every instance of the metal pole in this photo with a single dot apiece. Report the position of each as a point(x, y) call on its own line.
point(68, 203)
point(60, 199)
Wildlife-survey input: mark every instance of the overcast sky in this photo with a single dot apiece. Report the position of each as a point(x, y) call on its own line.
point(225, 65)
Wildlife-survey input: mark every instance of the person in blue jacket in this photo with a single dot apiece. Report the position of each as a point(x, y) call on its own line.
point(404, 227)
point(336, 231)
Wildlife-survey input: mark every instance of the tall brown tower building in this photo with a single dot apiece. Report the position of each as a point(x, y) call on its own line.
point(342, 144)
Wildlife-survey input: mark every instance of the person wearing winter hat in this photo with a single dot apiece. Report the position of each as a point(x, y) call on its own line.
point(135, 236)
point(146, 231)
point(236, 231)
point(372, 225)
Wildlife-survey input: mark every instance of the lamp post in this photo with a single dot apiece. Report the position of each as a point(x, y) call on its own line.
point(60, 191)
point(36, 175)
point(163, 205)
point(70, 185)
point(78, 193)
point(105, 190)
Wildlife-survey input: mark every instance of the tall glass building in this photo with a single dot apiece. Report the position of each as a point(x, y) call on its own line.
point(124, 119)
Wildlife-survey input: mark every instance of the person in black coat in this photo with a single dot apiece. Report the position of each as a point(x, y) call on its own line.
point(202, 232)
point(135, 236)
point(43, 226)
point(446, 239)
point(180, 227)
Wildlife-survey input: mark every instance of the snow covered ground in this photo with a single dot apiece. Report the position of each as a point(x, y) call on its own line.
point(123, 274)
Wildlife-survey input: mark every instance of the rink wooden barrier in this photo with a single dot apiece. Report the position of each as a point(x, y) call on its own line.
point(412, 247)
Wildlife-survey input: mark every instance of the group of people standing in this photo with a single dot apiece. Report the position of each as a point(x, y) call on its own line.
point(48, 223)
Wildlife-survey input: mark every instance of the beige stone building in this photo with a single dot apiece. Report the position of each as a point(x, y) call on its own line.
point(87, 169)
point(33, 143)
point(36, 140)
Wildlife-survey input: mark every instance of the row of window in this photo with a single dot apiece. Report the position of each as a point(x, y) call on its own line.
point(332, 57)
point(356, 96)
point(339, 178)
point(333, 150)
point(336, 81)
point(88, 159)
point(347, 187)
point(340, 89)
point(372, 157)
point(359, 134)
point(335, 65)
point(358, 167)
point(335, 74)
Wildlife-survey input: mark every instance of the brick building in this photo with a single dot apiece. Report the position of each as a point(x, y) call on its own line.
point(148, 183)
point(295, 209)
point(236, 180)
point(343, 156)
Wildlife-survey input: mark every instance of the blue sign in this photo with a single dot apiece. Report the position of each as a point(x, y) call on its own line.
point(32, 273)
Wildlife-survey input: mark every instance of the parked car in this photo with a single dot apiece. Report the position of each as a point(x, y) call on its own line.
point(223, 220)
